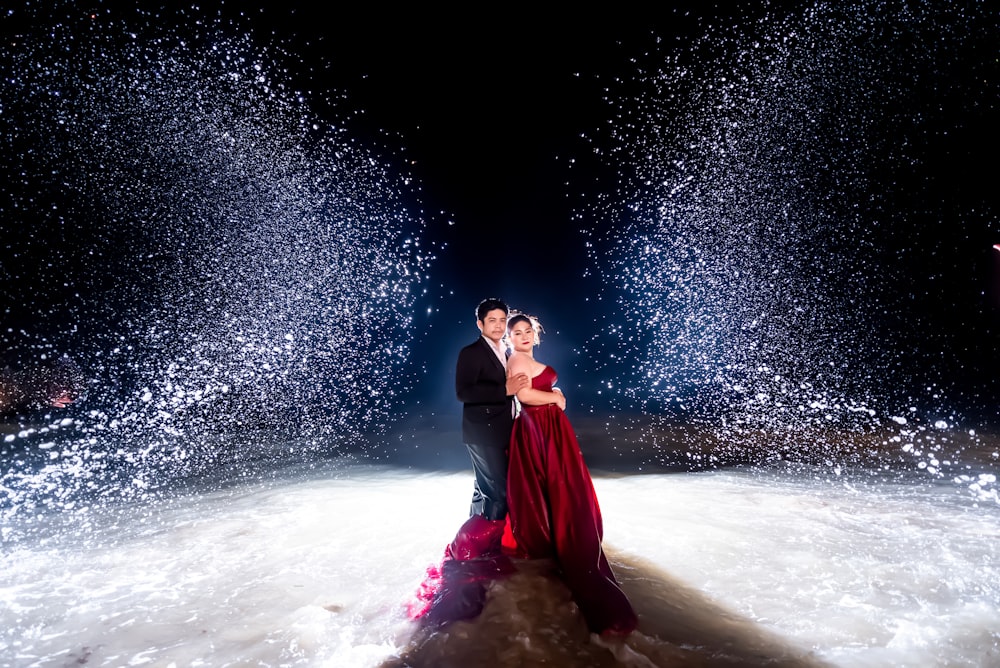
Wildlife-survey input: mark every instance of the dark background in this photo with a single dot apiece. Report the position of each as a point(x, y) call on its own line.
point(494, 113)
point(489, 111)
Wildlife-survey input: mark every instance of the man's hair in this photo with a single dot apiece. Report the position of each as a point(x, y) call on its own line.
point(488, 305)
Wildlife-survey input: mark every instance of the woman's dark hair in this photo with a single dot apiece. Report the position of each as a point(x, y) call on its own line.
point(488, 305)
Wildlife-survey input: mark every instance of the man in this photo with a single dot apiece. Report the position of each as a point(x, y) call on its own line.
point(457, 588)
point(487, 397)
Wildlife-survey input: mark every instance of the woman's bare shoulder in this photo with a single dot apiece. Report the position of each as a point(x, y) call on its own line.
point(519, 362)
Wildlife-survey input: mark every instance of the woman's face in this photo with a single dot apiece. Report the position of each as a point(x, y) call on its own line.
point(522, 337)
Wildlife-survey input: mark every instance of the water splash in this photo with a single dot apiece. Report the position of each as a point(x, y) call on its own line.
point(779, 182)
point(218, 258)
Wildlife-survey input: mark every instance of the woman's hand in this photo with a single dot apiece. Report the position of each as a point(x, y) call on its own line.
point(560, 398)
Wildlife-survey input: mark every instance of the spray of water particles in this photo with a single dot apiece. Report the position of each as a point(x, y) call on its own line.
point(778, 182)
point(215, 259)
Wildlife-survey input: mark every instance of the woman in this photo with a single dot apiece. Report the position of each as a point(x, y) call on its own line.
point(552, 503)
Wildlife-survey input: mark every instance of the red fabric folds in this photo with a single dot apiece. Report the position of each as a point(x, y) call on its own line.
point(456, 588)
point(554, 511)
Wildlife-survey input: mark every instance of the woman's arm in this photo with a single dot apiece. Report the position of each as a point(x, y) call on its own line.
point(532, 397)
point(529, 395)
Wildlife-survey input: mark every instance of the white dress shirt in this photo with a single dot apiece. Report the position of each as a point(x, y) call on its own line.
point(498, 351)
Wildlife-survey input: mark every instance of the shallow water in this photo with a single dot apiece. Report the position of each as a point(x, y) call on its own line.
point(315, 567)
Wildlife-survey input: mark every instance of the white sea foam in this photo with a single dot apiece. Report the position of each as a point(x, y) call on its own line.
point(316, 571)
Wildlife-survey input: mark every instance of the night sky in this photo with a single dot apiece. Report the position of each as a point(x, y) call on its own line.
point(491, 112)
point(505, 121)
point(500, 117)
point(496, 115)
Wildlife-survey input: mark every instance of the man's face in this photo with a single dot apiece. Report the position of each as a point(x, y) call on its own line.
point(493, 325)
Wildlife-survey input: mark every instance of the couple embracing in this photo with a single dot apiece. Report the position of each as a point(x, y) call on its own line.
point(530, 475)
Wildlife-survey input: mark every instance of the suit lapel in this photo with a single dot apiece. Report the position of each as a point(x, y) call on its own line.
point(493, 356)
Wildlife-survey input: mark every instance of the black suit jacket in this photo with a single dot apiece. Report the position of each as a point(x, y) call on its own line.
point(481, 386)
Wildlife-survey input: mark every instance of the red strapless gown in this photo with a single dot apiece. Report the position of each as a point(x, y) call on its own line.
point(554, 511)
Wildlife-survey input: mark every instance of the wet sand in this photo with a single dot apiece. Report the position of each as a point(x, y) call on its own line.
point(530, 620)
